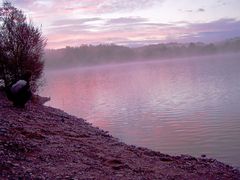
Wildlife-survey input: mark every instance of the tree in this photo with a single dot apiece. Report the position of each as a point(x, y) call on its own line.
point(21, 47)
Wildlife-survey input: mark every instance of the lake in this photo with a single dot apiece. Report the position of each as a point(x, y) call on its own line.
point(179, 106)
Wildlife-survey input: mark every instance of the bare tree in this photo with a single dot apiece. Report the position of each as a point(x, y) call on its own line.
point(21, 47)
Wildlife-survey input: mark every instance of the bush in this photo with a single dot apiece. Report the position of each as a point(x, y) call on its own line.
point(21, 47)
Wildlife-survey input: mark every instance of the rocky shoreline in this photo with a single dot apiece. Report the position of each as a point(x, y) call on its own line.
point(41, 142)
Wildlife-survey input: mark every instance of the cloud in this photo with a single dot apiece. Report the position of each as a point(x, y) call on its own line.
point(75, 21)
point(222, 2)
point(144, 32)
point(69, 29)
point(32, 4)
point(222, 24)
point(201, 10)
point(126, 5)
point(192, 10)
point(212, 31)
point(23, 2)
point(114, 21)
point(87, 6)
point(126, 20)
point(132, 24)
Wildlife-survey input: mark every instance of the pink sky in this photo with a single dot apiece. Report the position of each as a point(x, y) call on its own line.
point(132, 23)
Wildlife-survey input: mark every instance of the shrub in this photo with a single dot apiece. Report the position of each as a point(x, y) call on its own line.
point(21, 47)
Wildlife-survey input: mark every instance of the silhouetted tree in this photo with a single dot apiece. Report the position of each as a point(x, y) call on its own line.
point(21, 47)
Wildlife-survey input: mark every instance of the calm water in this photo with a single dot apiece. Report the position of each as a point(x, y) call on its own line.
point(187, 106)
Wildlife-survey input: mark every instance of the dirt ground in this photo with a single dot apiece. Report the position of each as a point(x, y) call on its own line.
point(41, 142)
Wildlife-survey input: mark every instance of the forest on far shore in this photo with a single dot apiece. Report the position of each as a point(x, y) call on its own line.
point(89, 55)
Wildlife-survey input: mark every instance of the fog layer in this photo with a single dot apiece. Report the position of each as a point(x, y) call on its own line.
point(89, 55)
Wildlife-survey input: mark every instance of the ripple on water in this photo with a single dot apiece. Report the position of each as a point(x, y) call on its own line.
point(186, 106)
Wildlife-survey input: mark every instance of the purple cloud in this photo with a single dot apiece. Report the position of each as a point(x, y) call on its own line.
point(132, 23)
point(143, 32)
point(213, 31)
point(126, 5)
point(93, 6)
point(75, 21)
point(192, 10)
point(219, 25)
point(129, 20)
point(62, 23)
point(201, 10)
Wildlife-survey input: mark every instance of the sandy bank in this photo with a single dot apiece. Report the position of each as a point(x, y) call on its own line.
point(46, 143)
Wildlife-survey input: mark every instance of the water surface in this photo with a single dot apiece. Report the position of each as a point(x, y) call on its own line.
point(182, 106)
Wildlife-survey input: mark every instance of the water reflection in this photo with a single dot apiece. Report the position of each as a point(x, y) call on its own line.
point(186, 106)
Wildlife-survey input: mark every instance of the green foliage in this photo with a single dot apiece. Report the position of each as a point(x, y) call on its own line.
point(21, 47)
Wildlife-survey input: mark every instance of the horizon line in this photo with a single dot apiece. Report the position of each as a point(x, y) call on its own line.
point(143, 45)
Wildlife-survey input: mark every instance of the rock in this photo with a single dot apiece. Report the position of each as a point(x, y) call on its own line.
point(203, 156)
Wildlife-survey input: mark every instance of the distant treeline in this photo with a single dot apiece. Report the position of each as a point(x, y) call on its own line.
point(87, 55)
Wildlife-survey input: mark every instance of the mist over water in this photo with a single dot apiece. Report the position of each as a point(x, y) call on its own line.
point(181, 106)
